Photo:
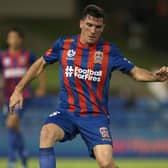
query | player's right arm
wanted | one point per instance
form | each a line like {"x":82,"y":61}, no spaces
{"x":33,"y":71}
{"x":51,"y":56}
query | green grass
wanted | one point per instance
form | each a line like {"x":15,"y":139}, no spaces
{"x":79,"y":163}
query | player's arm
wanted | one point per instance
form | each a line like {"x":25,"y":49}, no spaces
{"x":33,"y":71}
{"x":140,"y":74}
{"x":1,"y":81}
{"x":41,"y":90}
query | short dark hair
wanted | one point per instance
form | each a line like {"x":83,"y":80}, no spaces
{"x":93,"y":10}
{"x":17,"y":30}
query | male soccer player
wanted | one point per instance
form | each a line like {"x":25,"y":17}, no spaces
{"x":14,"y":62}
{"x":86,"y":62}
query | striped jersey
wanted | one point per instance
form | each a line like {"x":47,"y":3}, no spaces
{"x":13,"y":68}
{"x":85,"y":73}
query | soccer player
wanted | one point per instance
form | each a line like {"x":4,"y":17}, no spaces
{"x":86,"y":62}
{"x":13,"y":63}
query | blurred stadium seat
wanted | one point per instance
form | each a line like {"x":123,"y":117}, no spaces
{"x":140,"y":124}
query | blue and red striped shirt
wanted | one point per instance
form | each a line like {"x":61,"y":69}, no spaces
{"x":13,"y":68}
{"x":85,"y":73}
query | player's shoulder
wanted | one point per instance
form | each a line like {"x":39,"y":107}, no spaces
{"x":108,"y":46}
{"x":64,"y":40}
{"x":67,"y":39}
{"x":3,"y":52}
{"x":28,"y":52}
{"x":113,"y":49}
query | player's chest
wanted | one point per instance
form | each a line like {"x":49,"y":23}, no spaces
{"x":18,"y":61}
{"x":85,"y":63}
{"x":85,"y":58}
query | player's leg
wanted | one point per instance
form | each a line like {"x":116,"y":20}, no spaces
{"x":98,"y":139}
{"x":50,"y":133}
{"x":58,"y":127}
{"x":13,"y":127}
{"x":103,"y":154}
{"x":16,"y":142}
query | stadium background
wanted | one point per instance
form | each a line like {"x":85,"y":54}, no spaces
{"x":139,"y":117}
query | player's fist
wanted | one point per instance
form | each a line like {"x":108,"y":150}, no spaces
{"x":16,"y":98}
{"x":162,"y":74}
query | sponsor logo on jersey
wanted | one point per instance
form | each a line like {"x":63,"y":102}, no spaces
{"x":7,"y":62}
{"x":14,"y":72}
{"x":98,"y":57}
{"x":84,"y":74}
{"x":104,"y":134}
{"x":71,"y":54}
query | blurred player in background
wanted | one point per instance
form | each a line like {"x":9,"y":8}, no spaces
{"x":86,"y":62}
{"x":13,"y":64}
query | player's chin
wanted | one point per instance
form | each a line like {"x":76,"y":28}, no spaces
{"x":91,"y":41}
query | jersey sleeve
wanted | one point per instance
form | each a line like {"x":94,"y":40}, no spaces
{"x":52,"y":55}
{"x":33,"y":58}
{"x":119,"y":62}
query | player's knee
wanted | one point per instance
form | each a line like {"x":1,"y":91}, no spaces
{"x":50,"y":133}
{"x":105,"y":162}
{"x":105,"y":159}
{"x":46,"y":134}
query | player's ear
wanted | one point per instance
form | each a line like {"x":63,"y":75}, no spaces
{"x":81,"y":23}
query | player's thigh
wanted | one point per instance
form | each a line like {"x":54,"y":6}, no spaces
{"x":95,"y":131}
{"x":103,"y":154}
{"x":58,"y":127}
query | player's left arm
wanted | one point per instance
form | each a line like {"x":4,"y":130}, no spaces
{"x":140,"y":74}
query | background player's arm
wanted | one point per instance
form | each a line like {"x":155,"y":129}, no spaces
{"x":1,"y":81}
{"x":33,"y":71}
{"x":140,"y":74}
{"x":41,"y":90}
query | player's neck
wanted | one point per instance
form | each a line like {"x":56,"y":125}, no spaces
{"x":13,"y":50}
{"x":84,"y":42}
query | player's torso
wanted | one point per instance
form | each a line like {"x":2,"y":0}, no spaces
{"x":85,"y":74}
{"x":14,"y":67}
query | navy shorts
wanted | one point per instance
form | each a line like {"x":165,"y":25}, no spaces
{"x":93,"y":130}
{"x":18,"y":111}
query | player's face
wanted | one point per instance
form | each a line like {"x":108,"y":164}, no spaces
{"x":91,"y":29}
{"x":14,"y":40}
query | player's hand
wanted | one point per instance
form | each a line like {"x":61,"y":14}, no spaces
{"x":16,"y":98}
{"x":40,"y":92}
{"x":162,"y":74}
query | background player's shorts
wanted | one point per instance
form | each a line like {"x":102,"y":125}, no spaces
{"x":93,"y":130}
{"x":18,"y":111}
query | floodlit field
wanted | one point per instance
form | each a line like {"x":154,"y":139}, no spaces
{"x":76,"y":163}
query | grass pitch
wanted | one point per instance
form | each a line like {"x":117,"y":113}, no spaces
{"x":84,"y":163}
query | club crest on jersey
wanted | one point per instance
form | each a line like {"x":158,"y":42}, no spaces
{"x":104,"y":134}
{"x":71,"y":54}
{"x":7,"y":62}
{"x":98,"y":57}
